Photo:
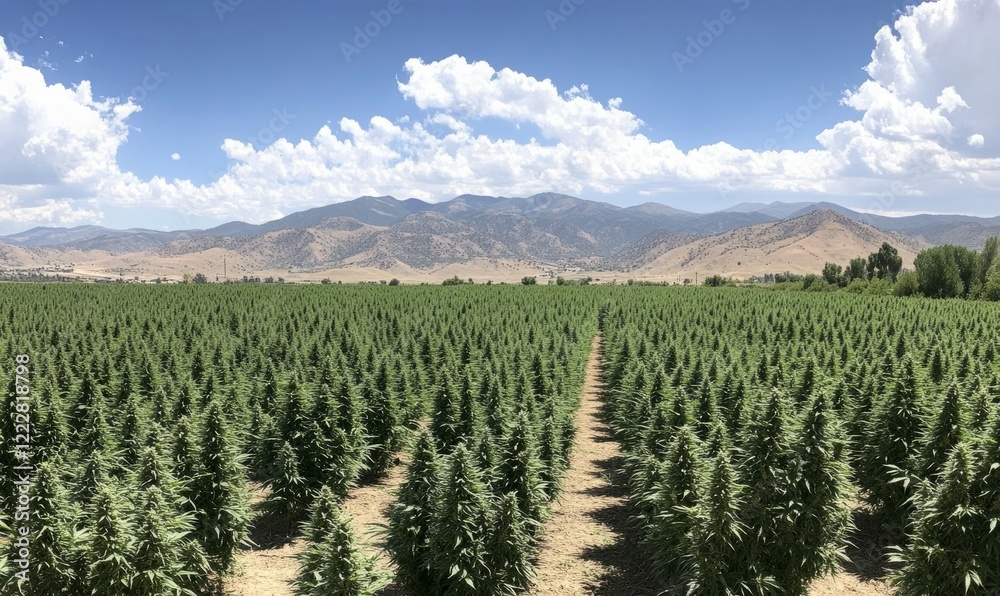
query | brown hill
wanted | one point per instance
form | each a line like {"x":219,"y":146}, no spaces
{"x":801,"y":245}
{"x":506,"y":245}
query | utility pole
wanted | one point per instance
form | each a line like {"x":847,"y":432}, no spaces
{"x":225,"y":276}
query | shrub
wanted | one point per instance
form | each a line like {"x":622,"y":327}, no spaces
{"x":822,"y":487}
{"x":156,"y":558}
{"x":878,"y":287}
{"x":857,"y":286}
{"x":907,"y":284}
{"x":673,"y":500}
{"x":290,"y":495}
{"x":718,"y":281}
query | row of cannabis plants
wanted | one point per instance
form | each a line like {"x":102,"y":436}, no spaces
{"x":753,"y":422}
{"x":154,"y":409}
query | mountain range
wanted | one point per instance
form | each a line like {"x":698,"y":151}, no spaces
{"x":498,"y":237}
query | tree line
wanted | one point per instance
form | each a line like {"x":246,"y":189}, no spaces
{"x":946,"y":271}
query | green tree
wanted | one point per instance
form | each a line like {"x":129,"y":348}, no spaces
{"x":907,"y":284}
{"x":988,"y":259}
{"x":991,"y":289}
{"x":832,"y":273}
{"x":946,"y":271}
{"x":857,"y":269}
{"x":885,"y":264}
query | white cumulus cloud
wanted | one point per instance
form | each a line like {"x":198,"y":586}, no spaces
{"x":923,"y":115}
{"x":175,"y":156}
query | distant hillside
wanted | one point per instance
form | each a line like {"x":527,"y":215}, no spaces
{"x":95,"y":238}
{"x":776,"y":209}
{"x":935,"y":229}
{"x":504,"y":235}
{"x":649,"y":249}
{"x":800,"y":245}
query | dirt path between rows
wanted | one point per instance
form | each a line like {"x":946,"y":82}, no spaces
{"x":269,"y":569}
{"x":589,"y":546}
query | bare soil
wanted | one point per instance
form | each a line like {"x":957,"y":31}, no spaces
{"x":589,"y":546}
{"x":268,"y":568}
{"x":866,"y":565}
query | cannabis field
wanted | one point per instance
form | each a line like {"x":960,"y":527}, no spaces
{"x":756,"y":431}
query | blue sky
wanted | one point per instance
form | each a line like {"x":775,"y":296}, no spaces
{"x":721,"y":101}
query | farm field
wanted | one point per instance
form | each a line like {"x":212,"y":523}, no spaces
{"x":261,"y":440}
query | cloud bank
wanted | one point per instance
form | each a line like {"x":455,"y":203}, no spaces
{"x":927,"y":125}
